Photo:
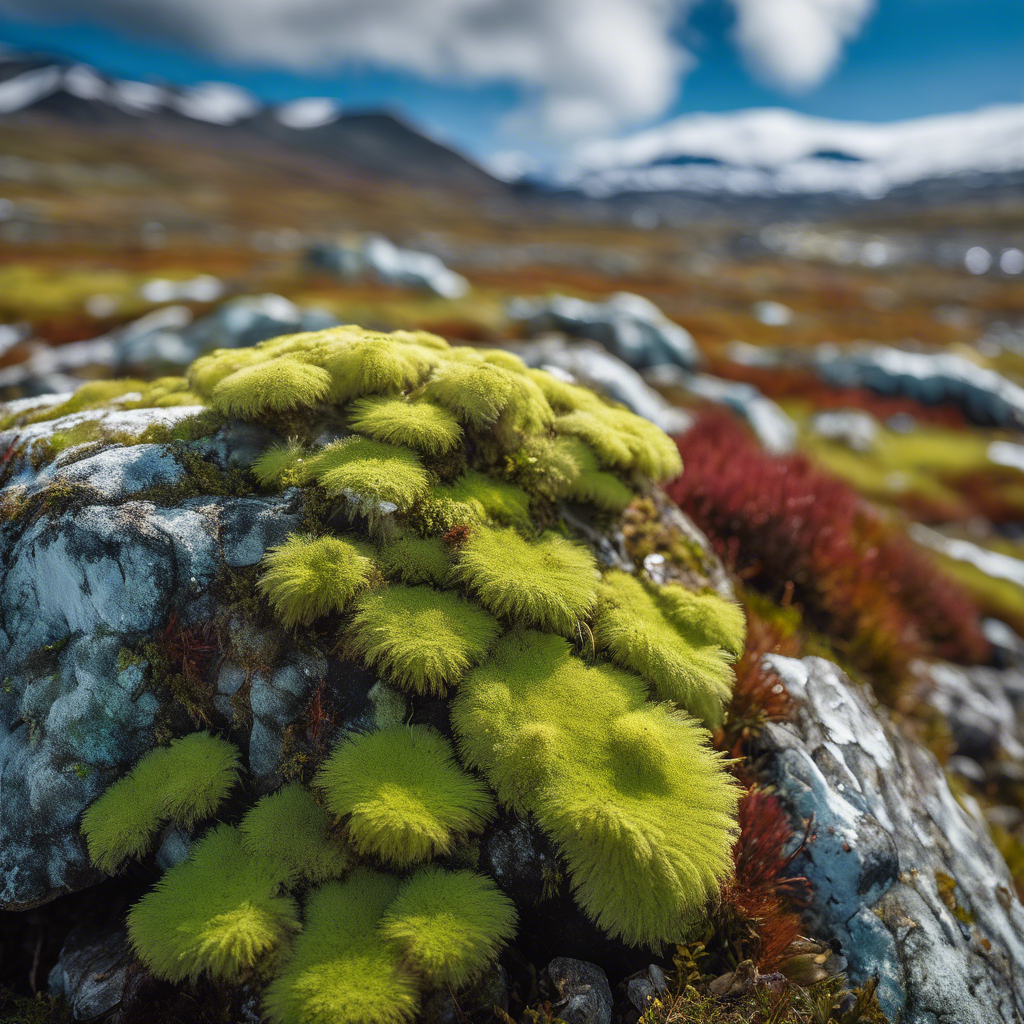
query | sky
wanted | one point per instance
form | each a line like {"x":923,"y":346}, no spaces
{"x":540,"y":76}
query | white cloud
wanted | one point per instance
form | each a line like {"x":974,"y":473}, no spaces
{"x":584,"y":66}
{"x":796,"y":43}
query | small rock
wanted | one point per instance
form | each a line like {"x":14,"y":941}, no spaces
{"x":91,"y":971}
{"x":584,"y":995}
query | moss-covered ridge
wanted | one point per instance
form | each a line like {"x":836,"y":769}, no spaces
{"x":443,"y":490}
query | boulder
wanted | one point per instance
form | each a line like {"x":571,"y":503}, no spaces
{"x":905,"y":877}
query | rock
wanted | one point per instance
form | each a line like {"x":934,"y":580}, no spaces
{"x":583,"y":993}
{"x":593,"y":366}
{"x":854,"y":428}
{"x":1007,"y":646}
{"x":987,"y":723}
{"x":986,"y":397}
{"x":644,"y":987}
{"x":991,"y":563}
{"x":79,"y":586}
{"x":773,"y":428}
{"x":378,"y":257}
{"x":906,"y":879}
{"x":629,"y":326}
{"x":91,"y":972}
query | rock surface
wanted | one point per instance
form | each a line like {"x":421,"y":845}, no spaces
{"x":81,"y":584}
{"x":582,"y":992}
{"x":91,"y":973}
{"x":904,"y":877}
{"x":629,"y":326}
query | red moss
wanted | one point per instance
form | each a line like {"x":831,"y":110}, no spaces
{"x":793,"y":531}
{"x":456,"y":536}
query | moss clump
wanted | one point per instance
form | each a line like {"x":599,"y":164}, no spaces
{"x":476,"y":393}
{"x":370,"y":471}
{"x":449,"y":924}
{"x":181,"y":783}
{"x":307,"y":577}
{"x":217,"y":913}
{"x":421,"y":638}
{"x":421,"y":425}
{"x":290,"y":832}
{"x":551,"y":582}
{"x":405,"y":796}
{"x":680,"y":643}
{"x":341,"y":970}
{"x":411,"y":559}
{"x":281,"y":465}
{"x":625,"y":787}
{"x":278,"y":386}
{"x":376,"y":365}
{"x":476,"y":498}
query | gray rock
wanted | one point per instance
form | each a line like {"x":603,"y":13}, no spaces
{"x":629,"y":326}
{"x":930,"y":377}
{"x":773,"y":427}
{"x":991,"y":563}
{"x":583,"y":993}
{"x":78,"y":588}
{"x":1007,"y":646}
{"x":91,"y":973}
{"x":376,"y":256}
{"x":906,"y":878}
{"x":595,"y":367}
{"x":978,"y":703}
{"x":116,"y":472}
{"x":854,"y":428}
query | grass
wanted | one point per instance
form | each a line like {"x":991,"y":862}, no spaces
{"x":371,"y":471}
{"x":550,"y":583}
{"x":420,"y":638}
{"x":309,"y":577}
{"x":680,"y":643}
{"x":642,"y":810}
{"x":449,"y":924}
{"x":217,"y":913}
{"x":421,"y":425}
{"x":405,"y":796}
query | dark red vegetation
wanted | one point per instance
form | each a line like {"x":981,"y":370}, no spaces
{"x":802,"y":536}
{"x":761,"y":903}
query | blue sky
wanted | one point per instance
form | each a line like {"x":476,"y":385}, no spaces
{"x":904,"y":58}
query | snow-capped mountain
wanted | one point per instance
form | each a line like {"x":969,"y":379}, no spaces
{"x":771,"y":152}
{"x":220,"y":114}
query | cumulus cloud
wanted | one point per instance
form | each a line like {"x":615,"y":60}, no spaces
{"x":796,"y":43}
{"x":584,"y":66}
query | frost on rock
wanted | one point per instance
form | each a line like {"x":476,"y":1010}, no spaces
{"x":906,"y":878}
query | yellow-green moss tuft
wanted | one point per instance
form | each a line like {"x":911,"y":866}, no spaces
{"x":278,"y":385}
{"x":551,"y":582}
{"x":281,"y":465}
{"x":421,"y":425}
{"x":412,"y":559}
{"x":308,"y":577}
{"x":420,"y":638}
{"x":370,"y":471}
{"x":406,"y":798}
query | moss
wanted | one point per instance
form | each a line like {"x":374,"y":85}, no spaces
{"x":551,"y":582}
{"x":449,"y":924}
{"x":421,"y":425}
{"x":405,"y":797}
{"x":680,"y":643}
{"x":341,"y":970}
{"x":643,"y":812}
{"x":281,"y":465}
{"x":271,"y":387}
{"x":96,"y":394}
{"x":376,"y":365}
{"x":646,"y":532}
{"x":219,"y":912}
{"x":369,"y":471}
{"x":420,"y":638}
{"x":411,"y":559}
{"x":946,"y":886}
{"x":475,"y":498}
{"x":307,"y":578}
{"x":476,"y":393}
{"x":182,"y":783}
{"x":290,"y":831}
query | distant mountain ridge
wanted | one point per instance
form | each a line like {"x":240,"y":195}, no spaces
{"x":369,"y":143}
{"x":775,"y":152}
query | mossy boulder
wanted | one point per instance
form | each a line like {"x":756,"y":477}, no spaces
{"x":394,"y":578}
